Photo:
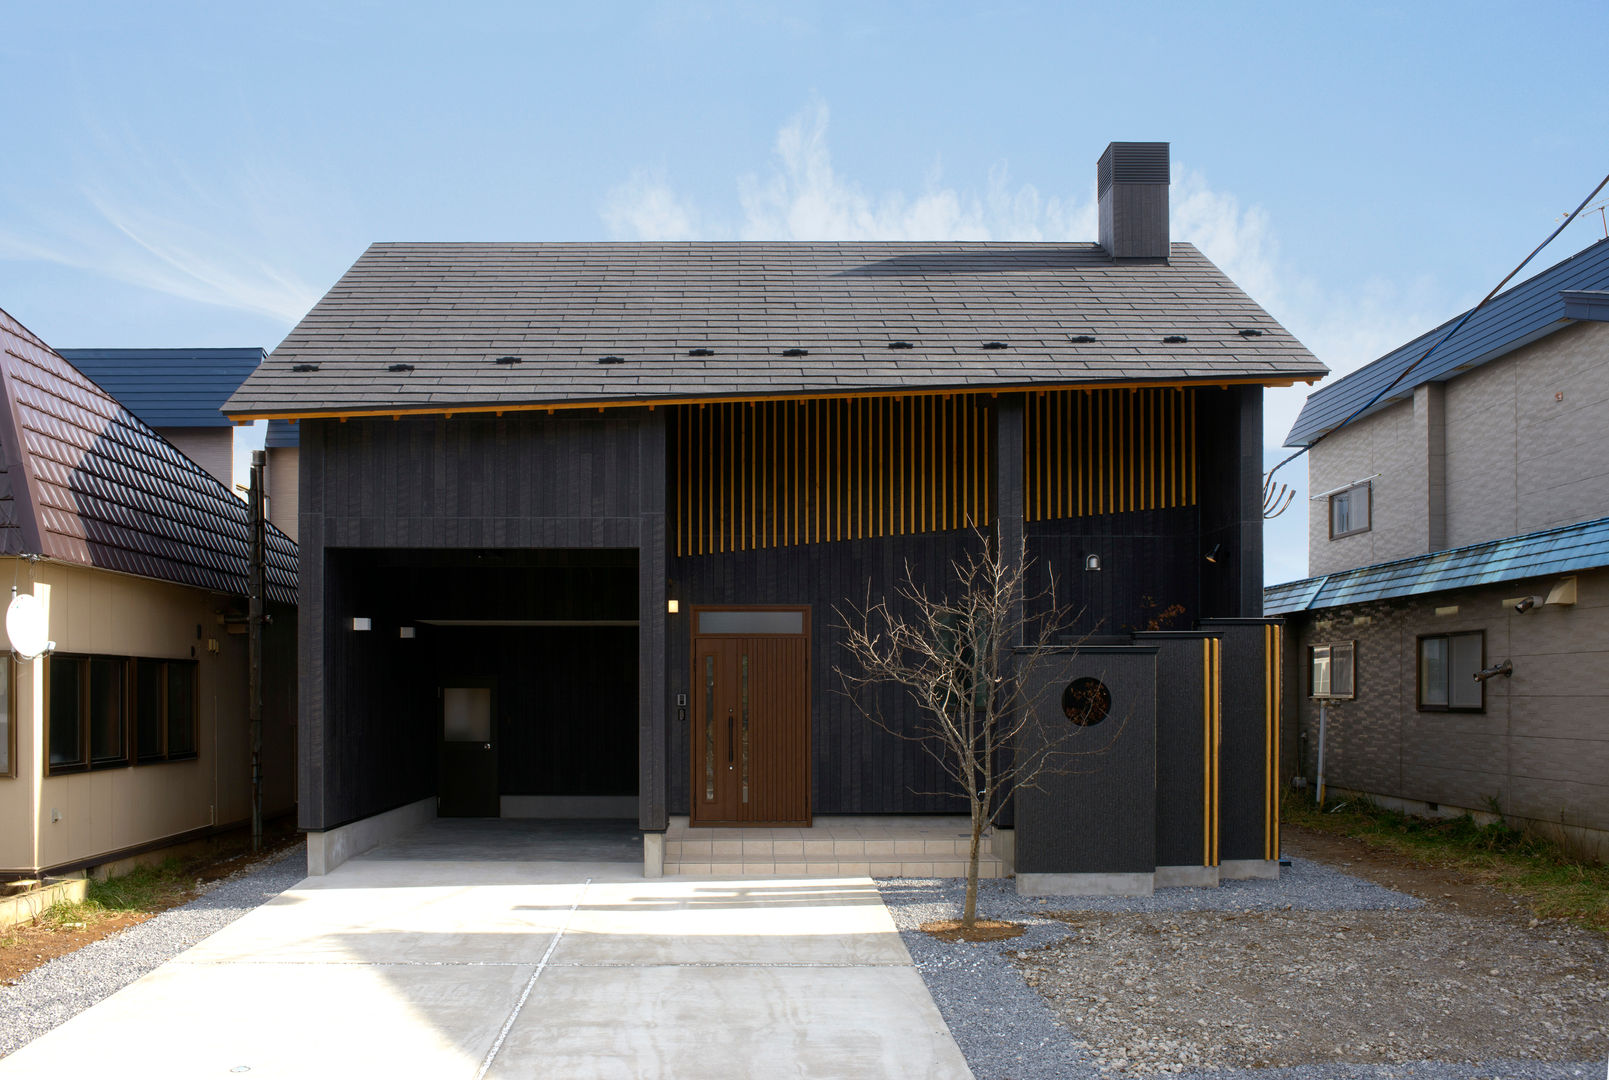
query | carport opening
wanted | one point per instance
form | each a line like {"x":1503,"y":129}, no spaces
{"x":510,"y":676}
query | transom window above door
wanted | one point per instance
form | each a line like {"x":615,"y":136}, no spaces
{"x":738,"y":621}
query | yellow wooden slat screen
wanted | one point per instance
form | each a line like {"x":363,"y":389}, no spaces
{"x":765,"y":474}
{"x":1108,"y":451}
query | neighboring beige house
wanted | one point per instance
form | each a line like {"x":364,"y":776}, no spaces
{"x":1460,"y":527}
{"x":283,"y":444}
{"x":177,"y":392}
{"x":132,"y":733}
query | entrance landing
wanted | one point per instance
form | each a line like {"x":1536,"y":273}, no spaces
{"x":905,"y":846}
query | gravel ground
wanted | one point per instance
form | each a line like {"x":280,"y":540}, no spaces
{"x":49,"y":996}
{"x":1119,"y":1025}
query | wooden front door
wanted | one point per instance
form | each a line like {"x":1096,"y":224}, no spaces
{"x":751,"y":730}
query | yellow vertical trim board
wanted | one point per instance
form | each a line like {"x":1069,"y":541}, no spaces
{"x":1205,"y":752}
{"x":1279,"y":678}
{"x":1268,"y":741}
{"x":1217,"y":738}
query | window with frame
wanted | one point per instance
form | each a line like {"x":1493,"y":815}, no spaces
{"x":88,"y":713}
{"x":8,"y":727}
{"x":164,"y":709}
{"x":1332,"y":672}
{"x":1349,"y":510}
{"x":1447,"y":667}
{"x":111,"y":711}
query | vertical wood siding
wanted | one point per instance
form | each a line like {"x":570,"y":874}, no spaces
{"x":753,"y":475}
{"x":1088,"y":452}
{"x":574,"y":481}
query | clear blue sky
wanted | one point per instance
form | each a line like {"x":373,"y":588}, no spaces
{"x":200,"y":174}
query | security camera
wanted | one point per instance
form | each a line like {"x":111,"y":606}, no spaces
{"x":1505,"y":669}
{"x":1527,"y":603}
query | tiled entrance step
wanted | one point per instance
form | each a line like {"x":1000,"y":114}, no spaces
{"x":836,"y":846}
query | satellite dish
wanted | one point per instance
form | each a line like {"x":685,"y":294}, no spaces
{"x":26,"y":626}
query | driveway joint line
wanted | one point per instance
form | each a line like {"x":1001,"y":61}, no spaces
{"x":491,"y":1055}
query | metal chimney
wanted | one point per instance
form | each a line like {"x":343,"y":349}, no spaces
{"x":1131,"y":184}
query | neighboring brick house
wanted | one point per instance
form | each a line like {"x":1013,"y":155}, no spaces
{"x":1478,"y":482}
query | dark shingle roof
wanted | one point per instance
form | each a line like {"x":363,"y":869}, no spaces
{"x":450,"y":310}
{"x":1528,"y":311}
{"x":1564,"y":550}
{"x":281,"y":434}
{"x":86,"y":481}
{"x":169,"y":388}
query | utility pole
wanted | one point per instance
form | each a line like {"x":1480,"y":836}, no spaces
{"x":254,"y":643}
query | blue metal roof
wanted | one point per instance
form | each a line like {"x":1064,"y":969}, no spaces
{"x":281,"y":434}
{"x":169,"y":388}
{"x":1553,"y":551}
{"x":1530,"y":310}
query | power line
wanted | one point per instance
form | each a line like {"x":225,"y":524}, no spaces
{"x":1277,"y":498}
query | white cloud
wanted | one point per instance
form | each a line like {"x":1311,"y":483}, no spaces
{"x":804,"y":197}
{"x":224,"y":240}
{"x":646,"y":208}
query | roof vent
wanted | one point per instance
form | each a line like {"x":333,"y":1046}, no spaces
{"x":1082,"y":339}
{"x":1131,"y":187}
{"x":509,"y":361}
{"x":795,"y":352}
{"x":700,"y":352}
{"x":611,"y":359}
{"x":900,"y":345}
{"x":1175,"y":339}
{"x":400,"y":367}
{"x":995,"y":345}
{"x":304,"y":367}
{"x":1249,"y":333}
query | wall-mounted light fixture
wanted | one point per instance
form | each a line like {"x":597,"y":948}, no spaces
{"x":362,"y":624}
{"x":212,"y":646}
{"x":1092,"y":562}
{"x":673,"y":606}
{"x":1526,"y":603}
{"x":1215,"y":553}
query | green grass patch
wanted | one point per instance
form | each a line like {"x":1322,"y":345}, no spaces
{"x":1555,"y":883}
{"x":144,"y":888}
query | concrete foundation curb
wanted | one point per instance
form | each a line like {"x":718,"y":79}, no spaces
{"x":329,"y":849}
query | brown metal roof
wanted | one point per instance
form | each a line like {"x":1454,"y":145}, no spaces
{"x":82,"y":480}
{"x":442,"y":314}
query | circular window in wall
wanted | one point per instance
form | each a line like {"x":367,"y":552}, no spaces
{"x":1086,"y":701}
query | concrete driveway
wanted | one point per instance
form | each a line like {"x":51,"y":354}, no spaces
{"x":519,"y":949}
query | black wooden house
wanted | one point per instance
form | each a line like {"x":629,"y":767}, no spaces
{"x":566,"y":507}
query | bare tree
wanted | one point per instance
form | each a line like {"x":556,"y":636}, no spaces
{"x":956,"y":656}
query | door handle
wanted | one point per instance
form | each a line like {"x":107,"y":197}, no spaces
{"x":485,"y":746}
{"x":731,"y":735}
